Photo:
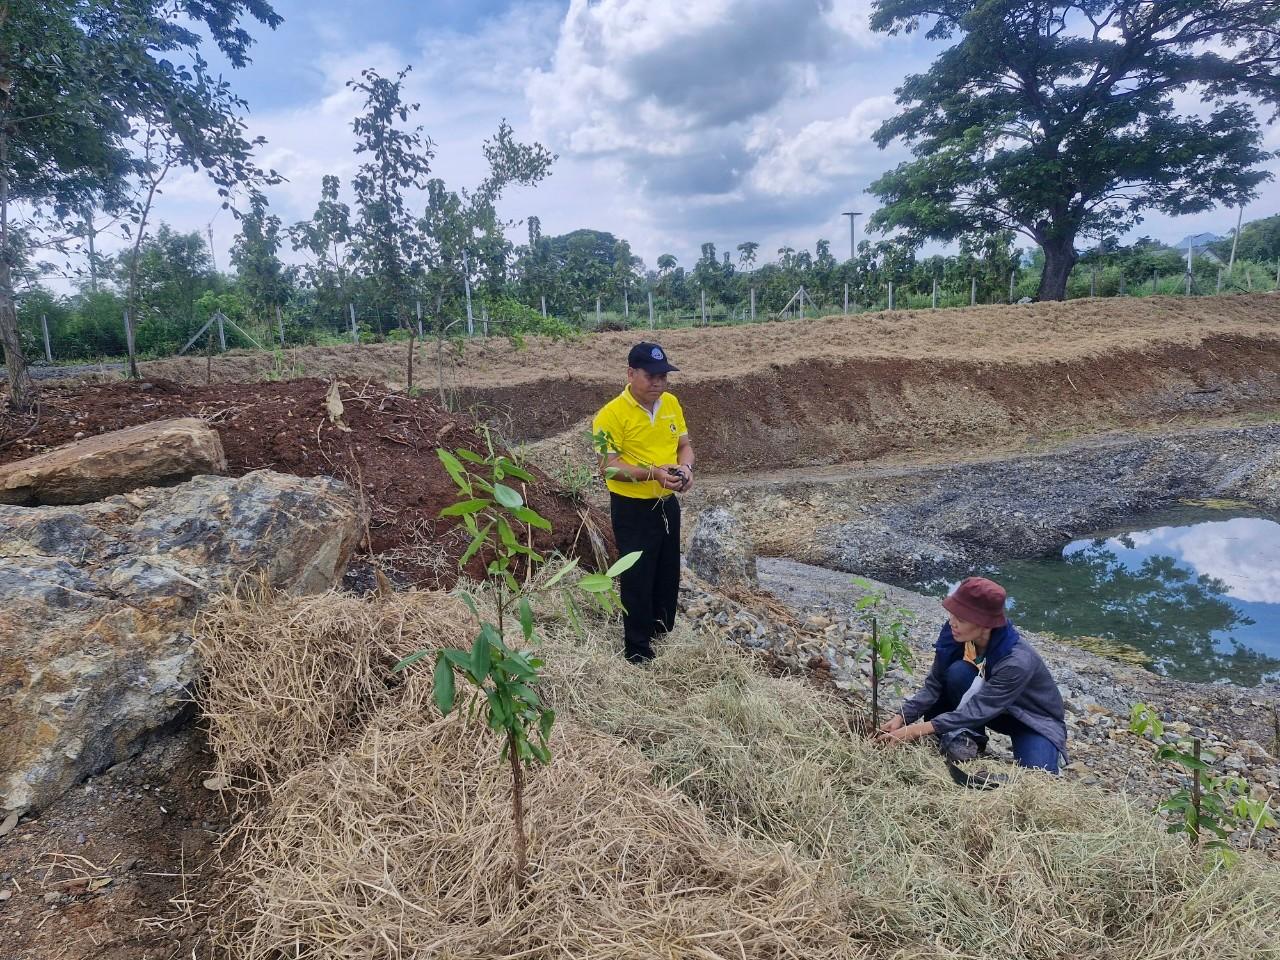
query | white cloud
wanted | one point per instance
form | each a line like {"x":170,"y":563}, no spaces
{"x":808,"y":160}
{"x":1241,"y":552}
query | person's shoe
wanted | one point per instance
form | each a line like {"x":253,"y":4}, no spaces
{"x":959,"y":747}
{"x":639,"y":657}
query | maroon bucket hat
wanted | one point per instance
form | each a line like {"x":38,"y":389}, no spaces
{"x":978,"y":600}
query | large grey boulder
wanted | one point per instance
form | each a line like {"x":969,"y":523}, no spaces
{"x":720,"y":550}
{"x":97,"y":603}
{"x":148,"y":455}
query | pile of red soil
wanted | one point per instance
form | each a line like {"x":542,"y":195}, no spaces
{"x":388,"y":452}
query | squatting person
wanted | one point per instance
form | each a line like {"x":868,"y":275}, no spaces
{"x":649,"y":459}
{"x":984,"y":677}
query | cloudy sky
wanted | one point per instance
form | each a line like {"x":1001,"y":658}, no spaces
{"x":675,"y":121}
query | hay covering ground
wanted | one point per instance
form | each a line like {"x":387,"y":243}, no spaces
{"x":697,"y":808}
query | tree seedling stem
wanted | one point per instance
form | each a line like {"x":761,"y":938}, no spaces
{"x":1194,"y":832}
{"x":875,"y":674}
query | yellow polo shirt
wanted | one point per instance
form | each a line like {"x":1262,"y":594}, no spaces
{"x":642,"y":437}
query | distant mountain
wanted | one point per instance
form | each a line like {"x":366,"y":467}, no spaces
{"x":1197,"y":240}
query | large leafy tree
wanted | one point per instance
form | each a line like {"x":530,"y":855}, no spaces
{"x":77,"y":77}
{"x":1059,"y":120}
{"x":326,"y":239}
{"x":255,"y":255}
{"x":398,"y":160}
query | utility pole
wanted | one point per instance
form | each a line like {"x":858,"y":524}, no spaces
{"x":44,"y":327}
{"x":753,"y":294}
{"x":597,"y":313}
{"x":973,"y":291}
{"x":544,"y":306}
{"x":935,"y":293}
{"x":853,"y":216}
{"x":890,"y":294}
{"x":208,"y":230}
{"x":1231,"y":265}
{"x":355,"y":334}
{"x":704,"y":306}
{"x":418,"y":308}
{"x":1013,"y":274}
{"x":846,"y":298}
{"x":650,"y":292}
{"x":466,"y":284}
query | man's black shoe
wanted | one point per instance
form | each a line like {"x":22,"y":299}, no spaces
{"x":639,"y":656}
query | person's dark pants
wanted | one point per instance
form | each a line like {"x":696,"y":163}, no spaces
{"x":1030,"y":749}
{"x":651,"y":588}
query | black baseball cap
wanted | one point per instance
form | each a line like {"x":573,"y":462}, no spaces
{"x":651,"y":358}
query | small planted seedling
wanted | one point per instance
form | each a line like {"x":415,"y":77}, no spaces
{"x":888,"y":646}
{"x":1214,"y":804}
{"x":502,"y":679}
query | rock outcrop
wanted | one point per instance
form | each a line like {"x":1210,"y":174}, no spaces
{"x":721,"y":551}
{"x":149,"y":455}
{"x":97,"y":603}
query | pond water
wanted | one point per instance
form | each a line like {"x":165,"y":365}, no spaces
{"x":1196,"y":590}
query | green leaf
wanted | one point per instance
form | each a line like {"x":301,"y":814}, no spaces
{"x":596,"y":583}
{"x":470,"y":601}
{"x":526,"y":618}
{"x":466,"y":454}
{"x":463,"y":507}
{"x":559,"y":574}
{"x":533,"y":519}
{"x":443,"y":691}
{"x":480,"y":656}
{"x":452,"y":465}
{"x":476,"y":543}
{"x":499,"y":715}
{"x":624,"y":563}
{"x":507,"y":497}
{"x":410,"y":660}
{"x":545,"y":723}
{"x":518,"y":472}
{"x":507,"y":535}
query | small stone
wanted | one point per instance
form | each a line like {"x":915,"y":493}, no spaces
{"x":52,"y":897}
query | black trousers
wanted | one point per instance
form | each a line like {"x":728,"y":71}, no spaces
{"x":651,"y":588}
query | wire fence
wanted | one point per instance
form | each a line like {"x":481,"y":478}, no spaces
{"x":653,"y":310}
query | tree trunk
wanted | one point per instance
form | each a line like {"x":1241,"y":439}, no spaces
{"x":22,"y":389}
{"x":517,"y":808}
{"x":1059,"y":258}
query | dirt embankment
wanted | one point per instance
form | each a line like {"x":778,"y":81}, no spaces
{"x":920,"y":384}
{"x":384,"y":447}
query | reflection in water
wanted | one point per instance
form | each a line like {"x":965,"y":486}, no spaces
{"x":1203,"y":598}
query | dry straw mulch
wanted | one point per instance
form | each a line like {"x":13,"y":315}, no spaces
{"x":698,"y":808}
{"x":384,"y":831}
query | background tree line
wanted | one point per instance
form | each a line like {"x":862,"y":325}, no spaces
{"x":1053,"y":124}
{"x":178,"y":289}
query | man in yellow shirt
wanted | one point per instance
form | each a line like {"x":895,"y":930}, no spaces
{"x":648,"y":459}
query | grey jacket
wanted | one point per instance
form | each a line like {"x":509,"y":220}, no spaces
{"x":1017,"y":683}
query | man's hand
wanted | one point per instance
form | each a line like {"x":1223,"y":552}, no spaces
{"x":672,"y":477}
